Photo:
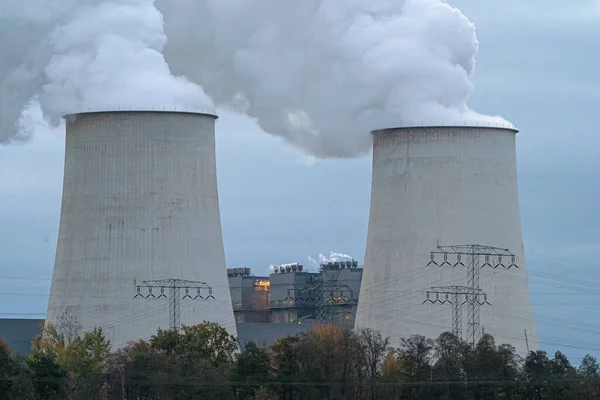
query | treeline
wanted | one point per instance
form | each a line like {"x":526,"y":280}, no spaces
{"x":205,"y":362}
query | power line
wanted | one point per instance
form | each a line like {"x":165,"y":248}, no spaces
{"x":457,"y":296}
{"x":493,"y":257}
{"x":331,"y":298}
{"x":174,"y":286}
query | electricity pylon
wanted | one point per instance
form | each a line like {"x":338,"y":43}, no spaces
{"x":327,"y":295}
{"x":457,"y":296}
{"x":174,"y":286}
{"x":493,"y":257}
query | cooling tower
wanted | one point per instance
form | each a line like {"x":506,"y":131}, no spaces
{"x":443,"y":186}
{"x":139,"y":204}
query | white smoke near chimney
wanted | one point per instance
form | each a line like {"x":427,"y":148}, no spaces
{"x":340,"y":256}
{"x":314,"y":264}
{"x":289,"y":264}
{"x":319,"y":73}
{"x":323,"y":73}
{"x":333,"y":257}
{"x":82,"y":55}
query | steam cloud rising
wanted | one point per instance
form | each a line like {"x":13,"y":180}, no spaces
{"x":333,"y":257}
{"x":81,"y":55}
{"x":319,"y":73}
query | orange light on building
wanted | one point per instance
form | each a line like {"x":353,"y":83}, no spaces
{"x":262,"y":284}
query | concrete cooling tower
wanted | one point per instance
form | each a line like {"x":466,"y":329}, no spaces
{"x":139,"y":204}
{"x":445,"y":186}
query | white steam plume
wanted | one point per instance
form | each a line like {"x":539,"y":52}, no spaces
{"x":323,"y":73}
{"x":333,"y":257}
{"x":313,"y":263}
{"x":319,"y":73}
{"x":82,"y":55}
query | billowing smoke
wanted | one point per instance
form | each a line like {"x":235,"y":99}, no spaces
{"x":323,"y":73}
{"x":319,"y":73}
{"x":313,"y":264}
{"x":333,"y":257}
{"x":82,"y":55}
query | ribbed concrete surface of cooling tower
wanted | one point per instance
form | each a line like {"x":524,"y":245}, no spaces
{"x":139,"y":203}
{"x":447,"y":186}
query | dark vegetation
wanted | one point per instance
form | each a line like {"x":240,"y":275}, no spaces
{"x":203,"y":362}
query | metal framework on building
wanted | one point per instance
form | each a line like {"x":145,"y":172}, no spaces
{"x":327,"y":294}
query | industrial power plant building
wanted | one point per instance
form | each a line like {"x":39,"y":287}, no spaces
{"x":444,"y":249}
{"x":249,"y":295}
{"x":140,"y":211}
{"x":291,"y":295}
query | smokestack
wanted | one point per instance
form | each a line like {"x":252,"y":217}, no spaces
{"x":139,"y":203}
{"x":442,"y":185}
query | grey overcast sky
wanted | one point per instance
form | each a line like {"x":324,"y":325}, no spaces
{"x":538,"y":66}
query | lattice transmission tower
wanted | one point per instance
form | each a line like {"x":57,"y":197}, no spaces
{"x":174,"y":286}
{"x":493,"y":258}
{"x":457,"y":296}
{"x":328,"y":295}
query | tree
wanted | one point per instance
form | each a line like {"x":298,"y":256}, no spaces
{"x":252,"y":369}
{"x":452,"y":365}
{"x":50,"y":340}
{"x":563,"y":378}
{"x":264,"y":394}
{"x":391,"y":377}
{"x":68,"y":324}
{"x":537,"y":374}
{"x":21,"y":385}
{"x":331,"y":363}
{"x":168,"y":341}
{"x":590,"y":379}
{"x":286,"y":363}
{"x":414,"y":359}
{"x":207,"y":339}
{"x":84,"y":360}
{"x":374,"y":348}
{"x":508,"y":371}
{"x":81,"y":359}
{"x":589,"y":367}
{"x":48,"y":376}
{"x":327,"y":362}
{"x":175,"y":365}
{"x":94,"y":348}
{"x":128,"y":371}
{"x":200,"y":378}
{"x":8,"y":369}
{"x":481,"y":369}
{"x":212,"y":341}
{"x":86,"y":354}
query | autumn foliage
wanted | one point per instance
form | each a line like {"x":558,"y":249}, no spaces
{"x":327,"y":362}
